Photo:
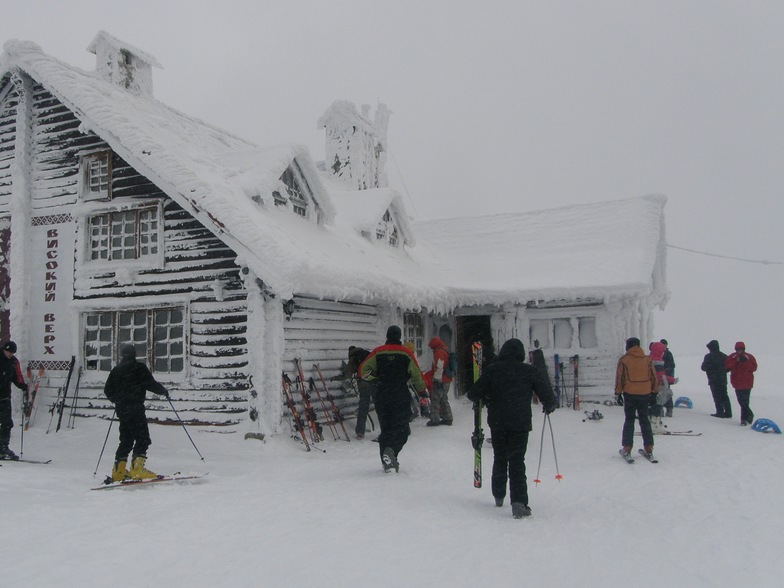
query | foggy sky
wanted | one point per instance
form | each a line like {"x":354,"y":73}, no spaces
{"x":506,"y":106}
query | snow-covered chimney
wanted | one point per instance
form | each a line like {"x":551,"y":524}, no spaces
{"x":356,"y":146}
{"x":123,"y":64}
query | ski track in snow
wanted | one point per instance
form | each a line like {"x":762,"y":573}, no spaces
{"x":271,"y":514}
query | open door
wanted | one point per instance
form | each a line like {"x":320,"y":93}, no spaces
{"x":470,"y":329}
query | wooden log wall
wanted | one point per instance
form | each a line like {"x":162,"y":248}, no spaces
{"x":320,"y":332}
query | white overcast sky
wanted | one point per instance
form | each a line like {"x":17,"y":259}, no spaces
{"x":505,"y":106}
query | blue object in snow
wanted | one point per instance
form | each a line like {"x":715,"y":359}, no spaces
{"x":684,"y":401}
{"x":766,"y":426}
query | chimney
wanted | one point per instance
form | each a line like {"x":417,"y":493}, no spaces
{"x":123,"y":64}
{"x":355,"y":149}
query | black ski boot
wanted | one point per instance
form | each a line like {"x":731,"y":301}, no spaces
{"x":389,"y":460}
{"x":520,"y":510}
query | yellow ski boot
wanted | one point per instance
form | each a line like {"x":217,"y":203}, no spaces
{"x":139,"y":472}
{"x":119,"y":471}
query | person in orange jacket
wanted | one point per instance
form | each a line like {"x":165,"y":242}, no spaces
{"x":440,"y":411}
{"x":636,"y":386}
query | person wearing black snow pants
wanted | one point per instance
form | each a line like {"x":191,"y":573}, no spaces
{"x":391,"y":366}
{"x":10,"y":373}
{"x":126,"y":387}
{"x":636,"y":388}
{"x":506,"y":387}
{"x":713,"y":366}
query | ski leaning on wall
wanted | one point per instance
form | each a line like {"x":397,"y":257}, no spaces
{"x":478,"y":436}
{"x":33,"y":383}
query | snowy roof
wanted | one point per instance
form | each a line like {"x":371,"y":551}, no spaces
{"x":599,"y":250}
{"x":216,"y":176}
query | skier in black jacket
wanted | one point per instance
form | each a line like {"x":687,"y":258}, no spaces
{"x":126,"y":387}
{"x":713,"y":366}
{"x":10,"y":372}
{"x":506,"y":387}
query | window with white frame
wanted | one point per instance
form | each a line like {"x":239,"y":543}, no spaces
{"x":96,"y":170}
{"x":158,"y":335}
{"x":386,"y":230}
{"x":123,"y":235}
{"x":558,"y":333}
{"x":414,"y":331}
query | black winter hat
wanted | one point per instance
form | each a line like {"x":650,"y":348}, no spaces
{"x":632,"y":342}
{"x":9,"y":346}
{"x":128,"y":351}
{"x":394,"y":334}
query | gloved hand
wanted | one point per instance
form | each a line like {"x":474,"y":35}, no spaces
{"x":619,"y":399}
{"x":549,"y":409}
{"x":742,"y":358}
{"x":165,"y":393}
{"x":653,"y":399}
{"x":23,"y":387}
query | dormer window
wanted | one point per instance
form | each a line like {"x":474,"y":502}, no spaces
{"x":96,"y":170}
{"x":386,"y":231}
{"x":296,"y":189}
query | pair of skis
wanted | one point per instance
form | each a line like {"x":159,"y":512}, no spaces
{"x":108,"y":484}
{"x":629,"y":459}
{"x":478,"y":436}
{"x":33,"y":383}
{"x":310,"y":422}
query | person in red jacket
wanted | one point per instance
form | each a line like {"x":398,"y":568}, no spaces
{"x":440,"y":411}
{"x":741,"y":366}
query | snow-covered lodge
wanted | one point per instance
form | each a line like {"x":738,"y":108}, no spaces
{"x":122,"y":219}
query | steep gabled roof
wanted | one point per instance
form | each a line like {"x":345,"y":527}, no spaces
{"x":216,"y":176}
{"x":601,"y":250}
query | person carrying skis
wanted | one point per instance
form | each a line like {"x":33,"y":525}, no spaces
{"x":506,"y":387}
{"x":10,"y":373}
{"x":636,"y":387}
{"x":391,"y":366}
{"x":440,"y":411}
{"x":713,"y":366}
{"x":741,"y":366}
{"x":126,"y":387}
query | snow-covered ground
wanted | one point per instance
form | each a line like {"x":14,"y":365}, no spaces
{"x":270,"y":514}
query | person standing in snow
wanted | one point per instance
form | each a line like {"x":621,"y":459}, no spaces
{"x":664,"y":395}
{"x":506,"y":387}
{"x":669,"y":371}
{"x":391,"y":366}
{"x":440,"y":411}
{"x":10,"y":373}
{"x":356,"y":355}
{"x":713,"y":366}
{"x":636,"y":386}
{"x":126,"y":387}
{"x":741,"y":366}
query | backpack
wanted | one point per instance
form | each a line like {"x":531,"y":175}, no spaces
{"x":450,"y":369}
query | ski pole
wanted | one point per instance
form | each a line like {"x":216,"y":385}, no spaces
{"x":558,"y":475}
{"x":537,"y":480}
{"x":184,"y":428}
{"x":111,"y":422}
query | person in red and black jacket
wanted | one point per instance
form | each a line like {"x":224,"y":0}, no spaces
{"x":391,"y":366}
{"x":10,"y":373}
{"x":741,"y":366}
